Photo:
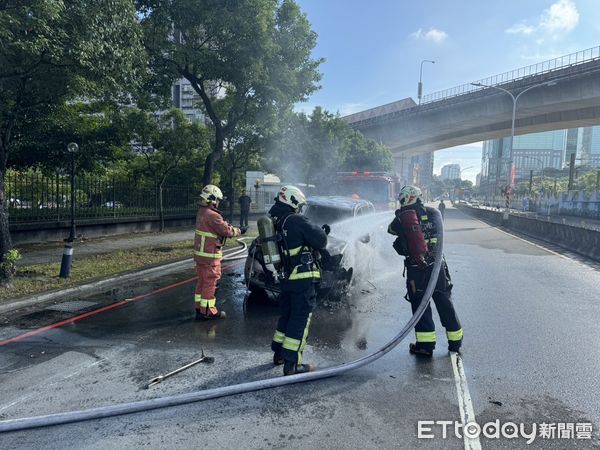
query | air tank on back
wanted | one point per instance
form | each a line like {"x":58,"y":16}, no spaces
{"x":268,"y":242}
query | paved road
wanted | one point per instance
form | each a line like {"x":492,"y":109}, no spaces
{"x":531,"y":355}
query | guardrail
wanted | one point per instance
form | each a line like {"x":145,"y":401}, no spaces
{"x":562,"y":62}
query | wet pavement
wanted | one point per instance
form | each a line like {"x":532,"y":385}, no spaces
{"x":527,"y":314}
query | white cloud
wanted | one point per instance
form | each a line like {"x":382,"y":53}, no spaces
{"x":433,"y":35}
{"x":520,"y":28}
{"x":561,"y":18}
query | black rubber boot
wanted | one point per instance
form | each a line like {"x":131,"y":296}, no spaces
{"x":278,"y":359}
{"x":219,"y":315}
{"x":292,"y":368}
{"x":419,"y":351}
{"x":454,"y":347}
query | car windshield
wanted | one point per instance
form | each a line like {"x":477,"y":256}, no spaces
{"x":320,"y":214}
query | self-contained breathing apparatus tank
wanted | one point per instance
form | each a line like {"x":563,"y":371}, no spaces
{"x":268,"y":243}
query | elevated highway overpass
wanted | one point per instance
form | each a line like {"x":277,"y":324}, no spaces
{"x":468,"y":113}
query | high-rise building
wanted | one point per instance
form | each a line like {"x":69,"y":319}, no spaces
{"x":537,"y":151}
{"x":186,"y":99}
{"x":450,"y":172}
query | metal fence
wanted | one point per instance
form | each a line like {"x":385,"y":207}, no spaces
{"x":562,"y":62}
{"x":33,"y":197}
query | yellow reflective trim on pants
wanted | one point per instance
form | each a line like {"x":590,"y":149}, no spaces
{"x":291,"y":344}
{"x":206,"y":234}
{"x":425,"y":336}
{"x":278,"y":337}
{"x":197,"y":298}
{"x":211,"y":302}
{"x":304,"y":336}
{"x":455,"y":335}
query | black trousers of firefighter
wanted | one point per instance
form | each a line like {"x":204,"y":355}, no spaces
{"x":297,"y":302}
{"x":416,"y":283}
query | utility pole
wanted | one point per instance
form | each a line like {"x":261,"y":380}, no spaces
{"x":530,"y":180}
{"x":571,"y":172}
{"x":420,"y":86}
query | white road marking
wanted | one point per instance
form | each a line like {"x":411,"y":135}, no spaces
{"x":467,"y":414}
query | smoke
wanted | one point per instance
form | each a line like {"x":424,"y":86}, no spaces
{"x":369,"y":251}
{"x":370,"y":254}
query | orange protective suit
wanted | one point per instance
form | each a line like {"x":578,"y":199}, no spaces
{"x":211,"y":230}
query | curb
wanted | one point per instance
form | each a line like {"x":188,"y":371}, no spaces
{"x":11,"y":305}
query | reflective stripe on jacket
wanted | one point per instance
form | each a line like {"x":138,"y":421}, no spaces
{"x":300,"y":238}
{"x":211,"y":229}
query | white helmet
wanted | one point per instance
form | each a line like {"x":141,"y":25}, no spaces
{"x":211,"y":194}
{"x":409,"y":195}
{"x":291,"y":196}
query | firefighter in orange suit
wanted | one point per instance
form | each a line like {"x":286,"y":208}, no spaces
{"x":211,"y":232}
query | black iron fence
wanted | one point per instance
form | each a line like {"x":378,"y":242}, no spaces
{"x":33,"y":197}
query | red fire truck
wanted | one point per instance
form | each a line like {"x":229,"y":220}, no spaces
{"x":380,"y":188}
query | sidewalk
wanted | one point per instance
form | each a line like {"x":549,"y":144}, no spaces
{"x":52,"y":251}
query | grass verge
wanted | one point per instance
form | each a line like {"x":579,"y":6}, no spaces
{"x":37,"y":278}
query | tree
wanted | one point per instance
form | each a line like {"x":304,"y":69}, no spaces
{"x":239,"y":152}
{"x":312,"y":148}
{"x":96,"y":126}
{"x":244,"y":58}
{"x":164,"y":143}
{"x":54,"y":50}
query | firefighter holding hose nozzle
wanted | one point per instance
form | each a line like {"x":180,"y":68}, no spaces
{"x":416,"y":237}
{"x":211,"y":232}
{"x":290,"y":243}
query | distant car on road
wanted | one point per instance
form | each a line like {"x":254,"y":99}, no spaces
{"x":335,"y":279}
{"x":116,"y":204}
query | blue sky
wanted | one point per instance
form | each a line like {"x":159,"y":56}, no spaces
{"x":373,"y":48}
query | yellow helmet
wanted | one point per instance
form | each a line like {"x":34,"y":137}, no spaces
{"x":409,"y":195}
{"x":211,"y":194}
{"x":291,"y":196}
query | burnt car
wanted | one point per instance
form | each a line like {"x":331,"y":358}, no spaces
{"x":335,"y":278}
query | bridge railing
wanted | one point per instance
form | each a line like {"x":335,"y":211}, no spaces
{"x":562,"y":62}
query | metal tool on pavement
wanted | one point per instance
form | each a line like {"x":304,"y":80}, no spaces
{"x":161,"y":378}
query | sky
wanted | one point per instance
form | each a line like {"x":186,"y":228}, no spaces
{"x":373,"y":49}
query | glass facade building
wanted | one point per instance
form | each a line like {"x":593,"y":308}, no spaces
{"x":536,"y":151}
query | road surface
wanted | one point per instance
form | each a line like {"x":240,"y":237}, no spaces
{"x":531,"y":355}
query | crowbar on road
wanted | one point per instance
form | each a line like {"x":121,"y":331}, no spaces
{"x":161,"y":378}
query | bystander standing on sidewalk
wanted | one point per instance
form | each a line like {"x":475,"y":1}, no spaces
{"x":245,"y":202}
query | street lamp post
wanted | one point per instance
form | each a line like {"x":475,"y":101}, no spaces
{"x":515,"y":99}
{"x":420,"y":86}
{"x":67,"y":258}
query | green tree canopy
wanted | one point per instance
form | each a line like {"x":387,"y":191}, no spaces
{"x":55,"y":50}
{"x":243,"y":57}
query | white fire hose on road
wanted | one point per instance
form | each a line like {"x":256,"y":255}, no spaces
{"x":191,"y":397}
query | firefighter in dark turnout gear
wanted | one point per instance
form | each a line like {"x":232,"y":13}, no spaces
{"x":299,"y":241}
{"x":416,"y":235}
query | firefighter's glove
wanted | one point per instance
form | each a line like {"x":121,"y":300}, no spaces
{"x":400,"y":249}
{"x":327,"y":229}
{"x":243,"y":230}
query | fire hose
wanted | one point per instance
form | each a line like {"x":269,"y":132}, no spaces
{"x":196,"y":396}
